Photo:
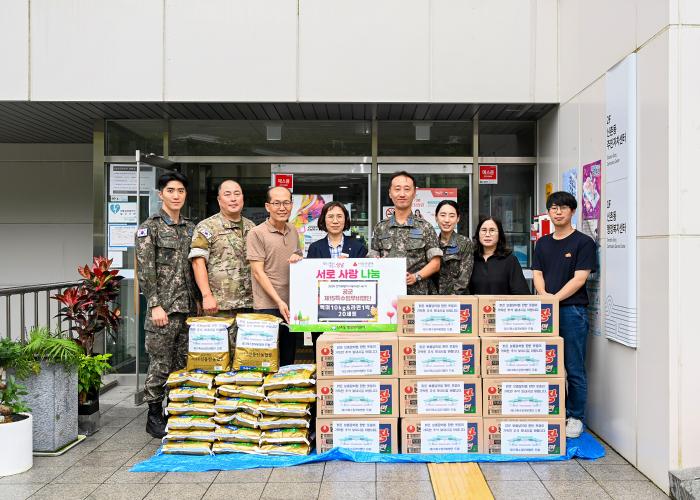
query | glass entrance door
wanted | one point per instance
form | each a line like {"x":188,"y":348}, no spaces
{"x":315,"y":185}
{"x":434,"y":182}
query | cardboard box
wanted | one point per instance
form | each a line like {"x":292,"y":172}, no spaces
{"x":512,"y":436}
{"x":536,"y":397}
{"x":522,"y":357}
{"x":364,"y":355}
{"x":459,"y":397}
{"x":372,"y":434}
{"x":442,"y":435}
{"x":518,"y":316}
{"x":438,"y":315}
{"x":357,"y":397}
{"x":444,"y":356}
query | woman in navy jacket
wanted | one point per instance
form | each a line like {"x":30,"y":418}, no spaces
{"x":334,"y":219}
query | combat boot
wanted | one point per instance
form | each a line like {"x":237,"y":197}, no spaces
{"x":155,"y":423}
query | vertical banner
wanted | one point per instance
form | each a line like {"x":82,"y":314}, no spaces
{"x":569,"y":183}
{"x":621,"y":203}
{"x":590,"y":208}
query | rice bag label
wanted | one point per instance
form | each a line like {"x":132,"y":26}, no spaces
{"x":524,"y":438}
{"x":356,"y":398}
{"x":448,"y":436}
{"x":357,"y":359}
{"x":439,"y":358}
{"x":208,"y":337}
{"x":256,"y":334}
{"x":437,"y":317}
{"x":440,"y":397}
{"x":525,"y":398}
{"x":356,"y":435}
{"x":518,"y":316}
{"x":522,"y":358}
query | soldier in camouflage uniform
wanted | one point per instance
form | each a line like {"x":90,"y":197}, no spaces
{"x":218,"y":255}
{"x":166,"y":280}
{"x":405,"y":235}
{"x":457,"y":251}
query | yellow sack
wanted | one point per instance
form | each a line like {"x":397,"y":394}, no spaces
{"x":209,"y":343}
{"x":207,"y":436}
{"x":187,"y":448}
{"x":206,"y":409}
{"x":229,"y":405}
{"x":190,"y":422}
{"x":240,"y":378}
{"x":242,"y":391}
{"x":245,"y":420}
{"x":266,"y":423}
{"x":284,"y":409}
{"x":257,"y":343}
{"x":194,"y":378}
{"x":199,"y":394}
{"x":285,"y":436}
{"x":291,"y":376}
{"x":285,"y":449}
{"x":292,"y":395}
{"x":238,"y":434}
{"x":233,"y":447}
{"x":223,"y":418}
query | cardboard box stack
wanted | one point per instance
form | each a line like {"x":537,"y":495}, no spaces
{"x":523,"y":375}
{"x":357,"y":392}
{"x":259,"y":408}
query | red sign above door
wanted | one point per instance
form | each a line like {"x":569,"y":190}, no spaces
{"x":284,"y":180}
{"x":488,"y":174}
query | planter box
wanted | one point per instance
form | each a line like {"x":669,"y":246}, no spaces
{"x":53,"y":398}
{"x":16,"y":450}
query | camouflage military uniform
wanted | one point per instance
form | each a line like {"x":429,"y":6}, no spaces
{"x":222,"y":244}
{"x":166,"y":280}
{"x":415,"y":240}
{"x":457,"y":264}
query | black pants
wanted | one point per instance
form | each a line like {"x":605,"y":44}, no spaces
{"x":287,"y":339}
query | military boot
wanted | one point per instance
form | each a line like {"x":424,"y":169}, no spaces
{"x":155,"y":423}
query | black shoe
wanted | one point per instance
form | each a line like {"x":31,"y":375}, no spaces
{"x":155,"y":423}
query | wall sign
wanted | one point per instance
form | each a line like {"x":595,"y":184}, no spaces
{"x":620,"y":127}
{"x":284,"y":180}
{"x":488,"y":174}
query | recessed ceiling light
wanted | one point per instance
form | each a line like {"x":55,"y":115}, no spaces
{"x":343,"y":187}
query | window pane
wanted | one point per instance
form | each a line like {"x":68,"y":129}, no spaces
{"x":512,"y":201}
{"x":507,"y":139}
{"x":124,"y":137}
{"x":425,"y":138}
{"x":261,"y":138}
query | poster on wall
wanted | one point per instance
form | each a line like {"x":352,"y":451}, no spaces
{"x":306,"y":209}
{"x":122,"y":179}
{"x":425,"y":203}
{"x":569,"y":183}
{"x":620,"y":126}
{"x":345,"y":295}
{"x":122,"y":213}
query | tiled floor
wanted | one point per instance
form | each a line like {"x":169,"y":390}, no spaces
{"x":98,"y":468}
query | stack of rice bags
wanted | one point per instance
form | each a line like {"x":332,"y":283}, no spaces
{"x":256,"y":407}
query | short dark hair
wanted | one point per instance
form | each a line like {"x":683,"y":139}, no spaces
{"x":501,"y":247}
{"x":171,"y":176}
{"x":324,"y":211}
{"x":218,"y":188}
{"x":402,"y":173}
{"x":451,"y":203}
{"x":269,"y":190}
{"x":562,"y":199}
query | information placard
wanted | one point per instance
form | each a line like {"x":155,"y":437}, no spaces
{"x":356,"y":435}
{"x":524,"y":438}
{"x":351,"y":295}
{"x":357,"y":359}
{"x":451,"y":436}
{"x":356,"y":398}
{"x":437,"y":317}
{"x":522,"y":358}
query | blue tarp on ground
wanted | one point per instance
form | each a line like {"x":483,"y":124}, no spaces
{"x":585,"y":446}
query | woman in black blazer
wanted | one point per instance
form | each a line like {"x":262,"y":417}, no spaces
{"x":334,"y":219}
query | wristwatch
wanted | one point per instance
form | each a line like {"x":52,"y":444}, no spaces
{"x":418,"y":277}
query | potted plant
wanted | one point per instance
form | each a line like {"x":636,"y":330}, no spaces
{"x":15,"y":419}
{"x":91,"y":307}
{"x":51,"y":391}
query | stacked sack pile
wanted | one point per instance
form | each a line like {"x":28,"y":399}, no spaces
{"x":256,"y":407}
{"x":466,"y":374}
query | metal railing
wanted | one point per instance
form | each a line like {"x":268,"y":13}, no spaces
{"x":41,"y":296}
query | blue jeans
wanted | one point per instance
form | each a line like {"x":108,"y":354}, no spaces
{"x":573,"y":328}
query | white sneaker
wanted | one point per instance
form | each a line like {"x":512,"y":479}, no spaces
{"x":574,"y":427}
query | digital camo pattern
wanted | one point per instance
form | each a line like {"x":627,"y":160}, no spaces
{"x":415,"y":241}
{"x":167,"y":352}
{"x":164,"y":272}
{"x":457,"y":265}
{"x":222,"y":243}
